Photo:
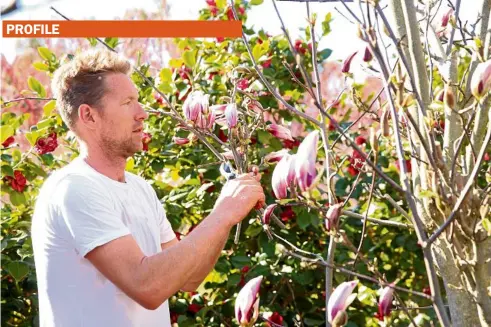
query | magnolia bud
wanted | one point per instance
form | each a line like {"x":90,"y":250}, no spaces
{"x":180,"y":140}
{"x":247,"y":302}
{"x":280,"y":132}
{"x":306,"y":157}
{"x":449,"y":97}
{"x":367,"y":56}
{"x":231,"y":115}
{"x":347,"y":63}
{"x":339,"y":301}
{"x":267,"y":213}
{"x":481,"y":79}
{"x":373,"y":139}
{"x":384,"y":123}
{"x":332,"y":216}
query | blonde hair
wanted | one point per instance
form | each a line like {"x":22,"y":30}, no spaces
{"x":81,"y":81}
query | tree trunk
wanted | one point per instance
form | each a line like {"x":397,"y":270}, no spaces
{"x":462,"y":308}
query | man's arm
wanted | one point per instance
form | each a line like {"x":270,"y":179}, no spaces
{"x":152,"y":280}
{"x":200,"y":272}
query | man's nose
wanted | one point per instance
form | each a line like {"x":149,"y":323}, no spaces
{"x":142,"y":114}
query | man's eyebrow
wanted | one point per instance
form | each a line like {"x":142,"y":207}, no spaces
{"x":131,"y":97}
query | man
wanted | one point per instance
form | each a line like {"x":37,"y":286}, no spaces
{"x":105,"y":253}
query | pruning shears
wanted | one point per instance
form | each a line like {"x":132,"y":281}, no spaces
{"x":227,"y":171}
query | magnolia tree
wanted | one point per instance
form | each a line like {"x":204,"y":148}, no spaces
{"x":377,"y":196}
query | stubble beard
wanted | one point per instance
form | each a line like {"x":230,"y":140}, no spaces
{"x":119,"y":148}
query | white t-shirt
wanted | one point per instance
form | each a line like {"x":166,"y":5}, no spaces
{"x":77,"y":210}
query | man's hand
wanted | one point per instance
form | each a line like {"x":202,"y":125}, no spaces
{"x":238,"y":197}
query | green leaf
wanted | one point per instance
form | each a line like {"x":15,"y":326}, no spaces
{"x":41,"y":66}
{"x":326,"y":24}
{"x":256,"y":2}
{"x":92,"y":41}
{"x":6,"y":131}
{"x":165,"y":88}
{"x":36,"y":86}
{"x":111,"y":41}
{"x":44,"y":123}
{"x":313,"y":322}
{"x":253,"y":230}
{"x":48,"y":107}
{"x":486,"y":224}
{"x":175,"y":63}
{"x":221,"y":3}
{"x":323,"y":55}
{"x":303,"y":219}
{"x":7,"y":170}
{"x":257,"y":52}
{"x":17,"y":198}
{"x":304,"y":277}
{"x":17,"y":269}
{"x":189,"y":58}
{"x":427,"y":194}
{"x":240,"y":261}
{"x":166,"y":75}
{"x":46,"y":54}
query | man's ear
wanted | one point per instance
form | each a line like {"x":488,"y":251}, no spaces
{"x":88,"y":116}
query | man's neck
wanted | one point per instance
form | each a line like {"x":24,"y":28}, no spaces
{"x":110,"y":166}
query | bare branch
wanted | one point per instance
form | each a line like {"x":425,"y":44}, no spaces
{"x":463,"y":194}
{"x":452,"y":33}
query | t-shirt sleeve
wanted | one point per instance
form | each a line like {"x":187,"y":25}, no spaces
{"x":88,"y":213}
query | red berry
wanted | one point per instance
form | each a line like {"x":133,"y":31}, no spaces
{"x":486,"y":157}
{"x":287,"y":214}
{"x":18,"y":182}
{"x":275,"y":318}
{"x":194,"y":308}
{"x":427,"y":290}
{"x":352,"y":170}
{"x":8,"y":141}
{"x":360,"y":140}
{"x":242,"y":84}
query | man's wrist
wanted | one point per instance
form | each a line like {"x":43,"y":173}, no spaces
{"x":220,"y":218}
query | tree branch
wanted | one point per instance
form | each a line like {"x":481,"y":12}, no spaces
{"x":463,"y":194}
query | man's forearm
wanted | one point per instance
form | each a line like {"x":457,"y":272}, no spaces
{"x":202,"y":271}
{"x":167,"y":272}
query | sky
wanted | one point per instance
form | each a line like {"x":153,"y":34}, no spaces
{"x":342,"y":40}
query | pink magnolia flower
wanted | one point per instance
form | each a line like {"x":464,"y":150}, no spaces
{"x":275,"y":156}
{"x":196,"y":103}
{"x":446,"y":17}
{"x":305,"y":161}
{"x":218,"y":109}
{"x":385,"y":302}
{"x":206,"y":119}
{"x":341,"y":299}
{"x":481,"y":79}
{"x":247,"y":302}
{"x":279,"y":178}
{"x":280,"y":132}
{"x":180,"y":140}
{"x":367,"y":56}
{"x":347,"y":63}
{"x":268,"y":212}
{"x":291,"y":177}
{"x":231,"y":115}
{"x":332,"y":216}
{"x":253,"y":105}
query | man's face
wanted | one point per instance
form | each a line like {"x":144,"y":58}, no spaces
{"x":122,"y":117}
